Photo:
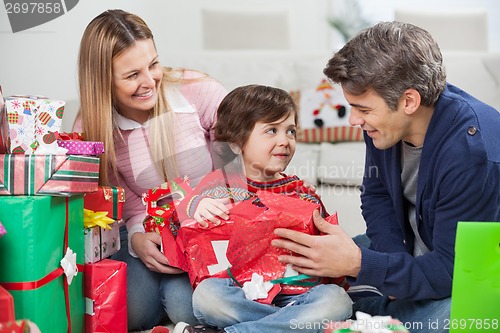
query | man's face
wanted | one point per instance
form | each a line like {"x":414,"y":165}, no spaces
{"x":385,"y":126}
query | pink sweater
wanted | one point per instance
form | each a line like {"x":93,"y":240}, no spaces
{"x":195,"y":111}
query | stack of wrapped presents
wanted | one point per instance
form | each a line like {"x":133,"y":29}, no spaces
{"x":57,"y":226}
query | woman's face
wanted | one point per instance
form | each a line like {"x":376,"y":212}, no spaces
{"x":136,"y":79}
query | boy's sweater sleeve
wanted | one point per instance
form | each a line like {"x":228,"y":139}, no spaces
{"x":187,"y":207}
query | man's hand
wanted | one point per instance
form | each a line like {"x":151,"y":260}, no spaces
{"x":333,"y":254}
{"x":146,"y":246}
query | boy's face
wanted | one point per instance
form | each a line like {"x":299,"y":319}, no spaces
{"x":269,"y":149}
{"x":385,"y":126}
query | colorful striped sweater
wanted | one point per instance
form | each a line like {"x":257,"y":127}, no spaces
{"x":219,"y":185}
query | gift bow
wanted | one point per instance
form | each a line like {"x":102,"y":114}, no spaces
{"x":365,"y":323}
{"x":75,"y":136}
{"x":68,"y":264}
{"x":92,"y":219}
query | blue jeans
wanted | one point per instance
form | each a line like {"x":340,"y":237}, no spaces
{"x":426,"y":316}
{"x":219,"y":303}
{"x":152,"y":296}
{"x":429,"y":316}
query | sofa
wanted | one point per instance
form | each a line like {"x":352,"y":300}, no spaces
{"x":333,"y":162}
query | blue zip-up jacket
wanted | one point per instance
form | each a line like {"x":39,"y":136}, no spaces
{"x":458,"y":180}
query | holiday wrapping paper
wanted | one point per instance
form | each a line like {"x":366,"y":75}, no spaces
{"x":6,"y":306}
{"x":106,"y":198}
{"x":82,"y":147}
{"x":243,"y":242}
{"x":106,"y":296}
{"x":48,"y":174}
{"x":101,"y":243}
{"x":40,"y":233}
{"x":161,"y":203}
{"x":31,"y":120}
{"x":19,"y":326}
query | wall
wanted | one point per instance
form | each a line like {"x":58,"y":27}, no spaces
{"x":382,"y":10}
{"x":42,"y":60}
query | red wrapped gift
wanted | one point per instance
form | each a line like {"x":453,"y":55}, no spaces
{"x":106,"y":199}
{"x":106,"y":296}
{"x":6,"y":305}
{"x":19,"y":326}
{"x":69,"y":136}
{"x":161,"y":214}
{"x":242,"y":242}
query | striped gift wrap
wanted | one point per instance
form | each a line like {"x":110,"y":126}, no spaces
{"x":58,"y":175}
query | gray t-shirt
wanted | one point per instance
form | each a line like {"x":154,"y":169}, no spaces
{"x":410,"y":161}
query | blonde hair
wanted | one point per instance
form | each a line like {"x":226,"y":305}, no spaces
{"x":105,"y":38}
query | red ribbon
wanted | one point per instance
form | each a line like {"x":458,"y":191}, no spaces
{"x":69,"y":136}
{"x":51,"y":276}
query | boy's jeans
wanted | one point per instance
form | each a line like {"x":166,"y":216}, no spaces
{"x":218,"y":302}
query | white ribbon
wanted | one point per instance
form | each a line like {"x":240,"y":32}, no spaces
{"x":365,"y":323}
{"x":68,"y":263}
{"x":256,"y":288}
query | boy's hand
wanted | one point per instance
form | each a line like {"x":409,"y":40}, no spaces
{"x":209,"y":209}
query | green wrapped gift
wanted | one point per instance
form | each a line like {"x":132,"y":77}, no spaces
{"x":30,"y":257}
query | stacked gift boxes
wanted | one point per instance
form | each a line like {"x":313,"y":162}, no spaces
{"x":102,"y":233}
{"x":43,"y":181}
{"x":42,"y":232}
{"x":105,"y":279}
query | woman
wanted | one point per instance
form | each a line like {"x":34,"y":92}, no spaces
{"x":156,"y":124}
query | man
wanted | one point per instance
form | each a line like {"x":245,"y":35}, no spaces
{"x":432,"y":160}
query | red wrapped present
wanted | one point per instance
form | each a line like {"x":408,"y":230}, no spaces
{"x":243,"y":242}
{"x":161,"y":202}
{"x":106,"y":296}
{"x":106,"y":199}
{"x":6,"y":305}
{"x":19,"y":326}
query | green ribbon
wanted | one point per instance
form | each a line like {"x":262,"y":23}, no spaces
{"x":296,"y":280}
